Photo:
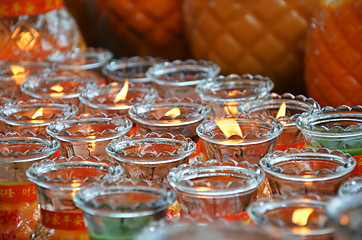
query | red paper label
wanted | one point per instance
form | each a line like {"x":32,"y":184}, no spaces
{"x":358,"y":169}
{"x":62,"y":220}
{"x":17,"y":192}
{"x":15,"y":8}
{"x":298,"y":146}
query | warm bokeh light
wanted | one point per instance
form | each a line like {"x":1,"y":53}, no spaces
{"x":229,"y":126}
{"x":122,"y":94}
{"x":19,"y":73}
{"x":301,"y":216}
{"x":58,"y":91}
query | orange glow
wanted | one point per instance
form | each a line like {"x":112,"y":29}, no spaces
{"x":19,"y":73}
{"x":122,"y":94}
{"x":202,"y":189}
{"x":282,"y":110}
{"x":231,"y":108}
{"x":229,"y":126}
{"x":301,"y":216}
{"x":174,"y":112}
{"x":58,"y":91}
{"x":38,"y":113}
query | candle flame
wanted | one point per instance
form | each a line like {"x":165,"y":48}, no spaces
{"x":75,"y":185}
{"x":231,"y":107}
{"x":19,"y":74}
{"x":38,"y":113}
{"x":202,"y":189}
{"x":301,"y":216}
{"x":174,"y":112}
{"x":58,"y":91}
{"x":229,"y":126}
{"x":122,"y":94}
{"x":282,"y":110}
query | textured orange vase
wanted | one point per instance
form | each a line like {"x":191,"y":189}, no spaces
{"x":252,"y":36}
{"x":334,"y":54}
{"x":142,"y":27}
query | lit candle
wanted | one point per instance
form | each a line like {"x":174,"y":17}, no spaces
{"x":286,"y":108}
{"x":226,"y":93}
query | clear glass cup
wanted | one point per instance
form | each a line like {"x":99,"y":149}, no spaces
{"x":286,"y":108}
{"x":298,"y":216}
{"x":351,"y":187}
{"x":151,"y":156}
{"x":180,"y":78}
{"x":216,"y":188}
{"x":57,"y":181}
{"x":89,"y":60}
{"x":14,"y":73}
{"x":345,"y":213}
{"x":173,"y":116}
{"x":88,"y":135}
{"x":132,"y":69}
{"x":120,"y":210}
{"x":225,"y":93}
{"x":339,"y":128}
{"x":59,"y":85}
{"x":34,"y":115}
{"x":307,"y":170}
{"x":116,"y":97}
{"x":243,"y":138}
{"x":19,"y":210}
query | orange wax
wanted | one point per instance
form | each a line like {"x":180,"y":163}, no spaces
{"x":334,"y":52}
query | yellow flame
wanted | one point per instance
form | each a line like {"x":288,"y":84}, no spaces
{"x":202,"y":189}
{"x":301,"y":216}
{"x":38,"y":113}
{"x":282,"y":110}
{"x":19,"y":73}
{"x":174,"y":112}
{"x":58,"y":91}
{"x":230,"y":109}
{"x":122,"y":94}
{"x":229,"y":126}
{"x":75,"y":185}
{"x":26,"y":41}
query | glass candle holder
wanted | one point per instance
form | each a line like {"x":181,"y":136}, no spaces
{"x":116,"y":97}
{"x":57,"y":181}
{"x":19,"y":210}
{"x":151,"y":156}
{"x":225,"y":93}
{"x":60,"y":85}
{"x":216,"y":188}
{"x":243,"y":137}
{"x":13,"y":73}
{"x":299,"y":216}
{"x":303,"y":171}
{"x":121,"y":210}
{"x":345,"y":213}
{"x":339,"y":128}
{"x":178,"y":117}
{"x":90,"y":60}
{"x":132,"y":69}
{"x":351,"y":187}
{"x":180,"y":78}
{"x":88,"y":135}
{"x":34,"y":115}
{"x":214,"y":230}
{"x":286,"y":108}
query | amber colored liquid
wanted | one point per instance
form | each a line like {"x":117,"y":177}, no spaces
{"x":153,"y":149}
{"x":18,"y":219}
{"x":333,"y":54}
{"x":90,"y":129}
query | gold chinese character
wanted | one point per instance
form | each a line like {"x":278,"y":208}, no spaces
{"x":26,"y":191}
{"x":56,"y":220}
{"x":67,"y":220}
{"x":47,"y":218}
{"x":9,"y":193}
{"x":78,"y":221}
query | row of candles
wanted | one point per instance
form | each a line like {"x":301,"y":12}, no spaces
{"x":110,"y":135}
